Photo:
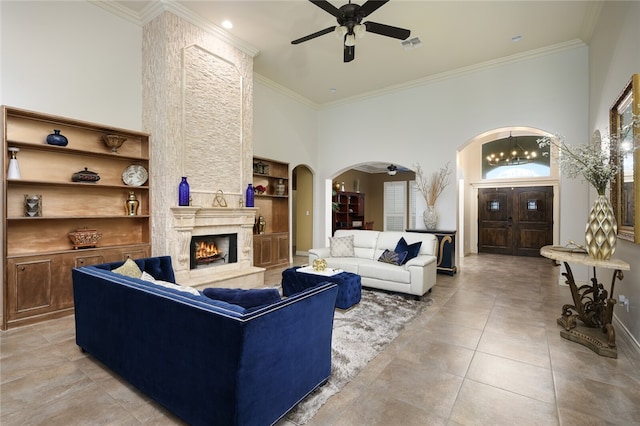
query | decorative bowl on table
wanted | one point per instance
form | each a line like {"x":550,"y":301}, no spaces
{"x":113,"y":141}
{"x":319,"y":265}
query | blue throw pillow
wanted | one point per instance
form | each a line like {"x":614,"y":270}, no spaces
{"x":390,"y":256}
{"x":246,"y":298}
{"x":411,"y":249}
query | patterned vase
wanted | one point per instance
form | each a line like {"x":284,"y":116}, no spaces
{"x":602,"y":230}
{"x":430,"y":217}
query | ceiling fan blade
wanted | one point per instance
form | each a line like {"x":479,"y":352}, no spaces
{"x":387,"y":30}
{"x":370,"y":7}
{"x":349,"y":53}
{"x":314,"y":35}
{"x":327,"y":7}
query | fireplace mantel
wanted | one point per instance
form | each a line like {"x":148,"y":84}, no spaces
{"x":196,"y":220}
{"x":193,"y":216}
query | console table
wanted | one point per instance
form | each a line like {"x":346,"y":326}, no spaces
{"x":445,"y":250}
{"x":592,"y":304}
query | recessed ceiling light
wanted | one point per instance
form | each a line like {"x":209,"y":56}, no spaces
{"x":227,"y":24}
{"x":516,"y":38}
{"x":333,"y":90}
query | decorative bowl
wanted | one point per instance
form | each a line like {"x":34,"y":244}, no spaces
{"x":85,"y":176}
{"x":319,"y":265}
{"x":84,"y":238}
{"x":113,"y":141}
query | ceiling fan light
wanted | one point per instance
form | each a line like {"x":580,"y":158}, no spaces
{"x":392,"y":170}
{"x":350,"y":40}
{"x":341,"y":31}
{"x":359,"y":30}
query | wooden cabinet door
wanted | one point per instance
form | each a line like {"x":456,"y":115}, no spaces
{"x":262,"y":250}
{"x":515,"y":221}
{"x":281,"y":249}
{"x":29,"y":287}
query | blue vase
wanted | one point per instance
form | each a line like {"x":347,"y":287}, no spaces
{"x":249,"y":198}
{"x":56,"y":138}
{"x":183,"y":192}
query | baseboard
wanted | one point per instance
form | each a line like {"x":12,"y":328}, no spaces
{"x":632,"y":346}
{"x":302,"y":253}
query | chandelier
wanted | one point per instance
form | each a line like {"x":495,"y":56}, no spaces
{"x":515,"y":157}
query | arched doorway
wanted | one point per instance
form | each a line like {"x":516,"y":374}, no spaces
{"x":301,"y":210}
{"x":472,"y":181}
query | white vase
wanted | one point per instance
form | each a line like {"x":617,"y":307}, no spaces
{"x":13,"y":172}
{"x":430,"y":217}
{"x":602,"y":230}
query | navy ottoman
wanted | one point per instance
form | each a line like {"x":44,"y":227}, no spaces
{"x":349,"y":285}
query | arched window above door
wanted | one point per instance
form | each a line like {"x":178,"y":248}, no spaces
{"x":515,"y":157}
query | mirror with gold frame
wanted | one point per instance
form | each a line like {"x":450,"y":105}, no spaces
{"x":625,"y":144}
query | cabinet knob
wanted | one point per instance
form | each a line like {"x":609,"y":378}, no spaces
{"x":21,"y":268}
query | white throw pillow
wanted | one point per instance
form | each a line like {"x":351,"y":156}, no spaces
{"x":148,"y":277}
{"x":342,"y":246}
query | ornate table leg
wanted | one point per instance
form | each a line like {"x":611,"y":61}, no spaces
{"x":594,"y":308}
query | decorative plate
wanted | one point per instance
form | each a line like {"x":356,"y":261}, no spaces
{"x":135,"y":175}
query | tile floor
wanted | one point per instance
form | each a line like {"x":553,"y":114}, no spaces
{"x":487,"y":352}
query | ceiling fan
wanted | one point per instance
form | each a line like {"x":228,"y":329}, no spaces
{"x":350,"y":24}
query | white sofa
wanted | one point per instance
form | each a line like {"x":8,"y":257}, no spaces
{"x":416,"y":277}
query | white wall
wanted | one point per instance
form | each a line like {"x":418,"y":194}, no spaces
{"x":72,"y":59}
{"x":614,"y":57}
{"x":285,"y":129}
{"x":429,"y":123}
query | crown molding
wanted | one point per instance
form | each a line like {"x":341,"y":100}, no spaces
{"x":276,"y":87}
{"x":118,"y":10}
{"x":155,"y":8}
{"x":569,"y":45}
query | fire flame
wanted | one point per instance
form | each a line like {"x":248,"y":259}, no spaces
{"x":205,"y":250}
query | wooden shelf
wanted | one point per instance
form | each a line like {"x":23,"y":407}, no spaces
{"x":38,"y":253}
{"x":125,"y":217}
{"x":350,"y":210}
{"x":69,"y":151}
{"x":271,"y":249}
{"x":98,"y":184}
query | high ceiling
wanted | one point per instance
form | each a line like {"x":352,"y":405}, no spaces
{"x":454,"y":35}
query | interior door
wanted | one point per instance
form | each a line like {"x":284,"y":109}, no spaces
{"x":515,"y":221}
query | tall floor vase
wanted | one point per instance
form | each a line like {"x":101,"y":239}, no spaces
{"x":602,"y":230}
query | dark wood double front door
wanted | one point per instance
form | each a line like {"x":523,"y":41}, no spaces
{"x":515,"y":221}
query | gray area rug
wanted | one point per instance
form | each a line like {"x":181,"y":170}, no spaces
{"x":359,"y":334}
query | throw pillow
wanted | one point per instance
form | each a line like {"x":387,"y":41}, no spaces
{"x":411,"y":249}
{"x":129,"y":269}
{"x":246,"y":298}
{"x":186,"y":289}
{"x":390,"y":256}
{"x":342,"y":246}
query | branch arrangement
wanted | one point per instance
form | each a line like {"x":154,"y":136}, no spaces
{"x":432,"y":186}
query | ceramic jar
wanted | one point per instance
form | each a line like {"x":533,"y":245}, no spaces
{"x":56,"y":138}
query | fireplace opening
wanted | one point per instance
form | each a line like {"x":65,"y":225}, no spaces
{"x":213,"y":250}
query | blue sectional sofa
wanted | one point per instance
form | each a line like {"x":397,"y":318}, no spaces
{"x":207,"y":361}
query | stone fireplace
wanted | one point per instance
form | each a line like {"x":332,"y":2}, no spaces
{"x":198,"y":107}
{"x":230,"y":231}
